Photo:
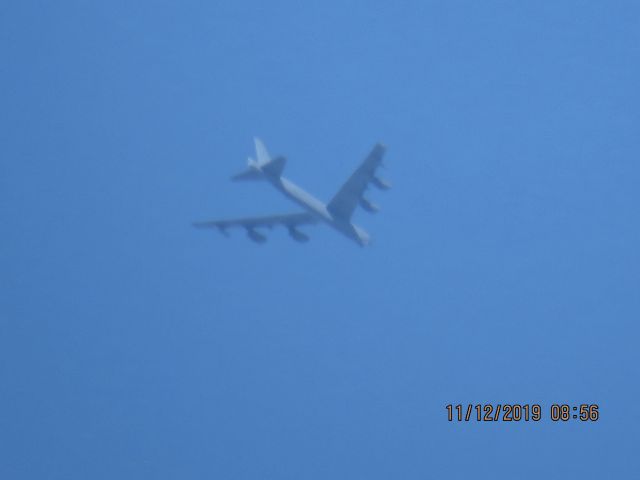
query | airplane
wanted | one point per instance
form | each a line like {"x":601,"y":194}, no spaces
{"x":337,"y":213}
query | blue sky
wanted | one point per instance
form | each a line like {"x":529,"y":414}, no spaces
{"x":504,"y":266}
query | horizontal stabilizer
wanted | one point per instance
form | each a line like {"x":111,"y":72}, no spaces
{"x":250,"y":173}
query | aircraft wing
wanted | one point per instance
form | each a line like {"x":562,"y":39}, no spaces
{"x":349,"y":196}
{"x":290,"y":221}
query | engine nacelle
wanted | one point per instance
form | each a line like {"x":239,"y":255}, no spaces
{"x":368,"y":206}
{"x":255,"y":236}
{"x":380,"y":183}
{"x":298,"y":236}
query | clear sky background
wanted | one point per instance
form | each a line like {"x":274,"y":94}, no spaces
{"x":504,"y":266}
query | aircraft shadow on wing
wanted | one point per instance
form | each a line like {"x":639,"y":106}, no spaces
{"x":337,"y":213}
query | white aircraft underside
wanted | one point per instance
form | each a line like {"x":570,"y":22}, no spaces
{"x":337,"y":213}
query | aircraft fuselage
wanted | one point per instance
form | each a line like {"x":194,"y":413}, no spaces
{"x":318,"y":209}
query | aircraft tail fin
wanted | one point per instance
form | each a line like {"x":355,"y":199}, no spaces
{"x":257,"y":169}
{"x":274,"y":167}
{"x":261,"y":152}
